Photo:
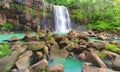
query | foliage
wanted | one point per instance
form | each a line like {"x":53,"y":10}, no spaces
{"x":112,"y":47}
{"x":4,"y":50}
{"x":101,"y":55}
{"x":16,"y":5}
{"x":104,"y":14}
{"x":42,"y":70}
{"x":32,"y":11}
{"x":7,"y":25}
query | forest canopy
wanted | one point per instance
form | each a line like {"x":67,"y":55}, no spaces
{"x":103,"y":14}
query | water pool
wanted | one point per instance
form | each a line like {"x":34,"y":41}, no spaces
{"x":4,"y":37}
{"x":70,"y":64}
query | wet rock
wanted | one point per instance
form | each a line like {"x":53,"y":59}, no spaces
{"x":93,"y":58}
{"x":14,"y":70}
{"x":28,"y":37}
{"x":118,"y":45}
{"x":23,"y":61}
{"x":39,"y":54}
{"x":116,"y":64}
{"x":91,"y":68}
{"x":97,"y":30}
{"x":13,"y":39}
{"x":91,"y":33}
{"x":56,"y":68}
{"x":91,"y":45}
{"x":58,"y":37}
{"x":2,"y":18}
{"x":64,"y":42}
{"x":91,"y":49}
{"x":74,"y":33}
{"x":6,"y":63}
{"x":35,"y":45}
{"x":82,"y":56}
{"x":110,"y":55}
{"x":85,"y":33}
{"x":101,"y":46}
{"x":46,"y":50}
{"x":39,"y":65}
{"x":60,"y":53}
{"x":84,"y":37}
{"x":101,"y":37}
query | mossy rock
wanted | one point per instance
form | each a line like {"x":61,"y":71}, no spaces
{"x":35,"y":45}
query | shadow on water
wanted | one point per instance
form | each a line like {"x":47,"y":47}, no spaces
{"x":70,"y":64}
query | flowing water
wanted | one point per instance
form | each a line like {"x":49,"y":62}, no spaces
{"x":62,"y":19}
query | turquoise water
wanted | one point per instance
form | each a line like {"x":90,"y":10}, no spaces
{"x":4,"y":37}
{"x":63,"y":33}
{"x":97,"y":40}
{"x":70,"y":64}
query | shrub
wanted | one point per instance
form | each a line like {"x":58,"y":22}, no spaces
{"x":7,"y":25}
{"x":112,"y":47}
{"x":4,"y":50}
{"x":101,"y":55}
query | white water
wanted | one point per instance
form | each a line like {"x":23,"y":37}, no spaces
{"x":62,"y":19}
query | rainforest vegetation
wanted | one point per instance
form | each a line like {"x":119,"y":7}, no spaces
{"x":103,"y":14}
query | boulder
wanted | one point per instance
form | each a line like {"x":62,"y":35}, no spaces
{"x":56,"y":68}
{"x":46,"y":50}
{"x":6,"y":63}
{"x":23,"y":61}
{"x":29,"y":37}
{"x":91,"y":45}
{"x":74,"y":33}
{"x":39,"y":65}
{"x":101,"y":37}
{"x":84,"y":37}
{"x":85,"y":33}
{"x":90,"y":68}
{"x":116,"y":64}
{"x":93,"y":58}
{"x":110,"y":55}
{"x":39,"y":54}
{"x":59,"y":52}
{"x":91,"y":33}
{"x":13,"y":39}
{"x":82,"y":56}
{"x":64,"y":42}
{"x":101,"y":46}
{"x":36,"y":45}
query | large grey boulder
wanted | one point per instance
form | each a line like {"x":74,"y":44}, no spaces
{"x":23,"y":61}
{"x":56,"y":68}
{"x":116,"y":64}
{"x":88,"y":67}
{"x":6,"y":63}
{"x":36,"y":45}
{"x":39,"y":65}
{"x":93,"y":58}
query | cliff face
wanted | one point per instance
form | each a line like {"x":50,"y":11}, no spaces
{"x":23,"y":15}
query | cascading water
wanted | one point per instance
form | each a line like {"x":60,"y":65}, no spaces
{"x":62,"y":19}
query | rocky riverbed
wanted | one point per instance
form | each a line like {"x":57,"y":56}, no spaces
{"x":32,"y":53}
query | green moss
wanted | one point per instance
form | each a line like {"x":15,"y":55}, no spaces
{"x":42,"y":70}
{"x":112,"y":47}
{"x":16,"y":5}
{"x":101,"y":55}
{"x":32,"y":11}
{"x":36,"y":46}
{"x":4,"y":50}
{"x":7,"y":25}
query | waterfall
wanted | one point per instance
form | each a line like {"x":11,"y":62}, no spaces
{"x":62,"y":19}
